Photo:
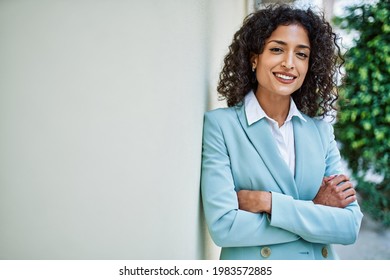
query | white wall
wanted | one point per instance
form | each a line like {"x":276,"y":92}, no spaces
{"x":101,"y":111}
{"x":227,"y":17}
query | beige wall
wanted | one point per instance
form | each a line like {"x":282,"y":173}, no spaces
{"x":101,"y":109}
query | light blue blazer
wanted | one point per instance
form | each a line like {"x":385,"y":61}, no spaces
{"x":237,"y":156}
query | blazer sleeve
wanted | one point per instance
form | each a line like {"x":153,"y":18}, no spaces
{"x":319,"y":223}
{"x":228,"y":225}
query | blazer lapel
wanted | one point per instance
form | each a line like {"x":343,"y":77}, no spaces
{"x":309,"y":157}
{"x":260,"y":135}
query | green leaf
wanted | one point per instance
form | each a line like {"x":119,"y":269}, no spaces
{"x":363,"y":122}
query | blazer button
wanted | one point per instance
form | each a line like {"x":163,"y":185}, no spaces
{"x":324,"y":252}
{"x":265,"y":252}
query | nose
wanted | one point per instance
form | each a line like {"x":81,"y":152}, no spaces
{"x":288,"y":61}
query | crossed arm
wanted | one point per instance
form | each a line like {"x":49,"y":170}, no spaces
{"x":241,"y":218}
{"x":335,"y":191}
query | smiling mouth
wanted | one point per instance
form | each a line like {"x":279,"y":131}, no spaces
{"x":284,"y":78}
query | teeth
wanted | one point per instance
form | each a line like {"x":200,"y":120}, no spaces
{"x":284,"y":77}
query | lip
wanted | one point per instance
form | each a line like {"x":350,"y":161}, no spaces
{"x":282,"y":80}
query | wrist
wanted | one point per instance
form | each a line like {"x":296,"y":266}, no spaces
{"x":266,"y":202}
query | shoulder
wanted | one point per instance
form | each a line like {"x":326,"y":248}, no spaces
{"x":223,"y":116}
{"x":321,"y":124}
{"x":323,"y":128}
{"x":224,"y":120}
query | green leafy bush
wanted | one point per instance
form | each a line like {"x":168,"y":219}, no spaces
{"x":363,"y":124}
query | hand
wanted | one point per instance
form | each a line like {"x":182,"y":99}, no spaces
{"x":335,"y":191}
{"x":254,"y":201}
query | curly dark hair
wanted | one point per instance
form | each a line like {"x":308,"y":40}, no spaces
{"x":318,"y":92}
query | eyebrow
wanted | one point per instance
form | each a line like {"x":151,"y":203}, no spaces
{"x":285,"y":44}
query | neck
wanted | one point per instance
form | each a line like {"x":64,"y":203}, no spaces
{"x":276,"y":107}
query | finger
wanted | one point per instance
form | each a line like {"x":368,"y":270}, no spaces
{"x":340,"y":178}
{"x":349,"y":192}
{"x":327,"y":179}
{"x":343,"y":186}
{"x":349,"y":200}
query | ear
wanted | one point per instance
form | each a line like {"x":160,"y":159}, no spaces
{"x":254,"y":60}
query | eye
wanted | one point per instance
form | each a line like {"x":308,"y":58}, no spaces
{"x":302,"y":55}
{"x":276,"y":50}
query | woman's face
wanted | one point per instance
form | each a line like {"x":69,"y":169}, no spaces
{"x":282,"y":67}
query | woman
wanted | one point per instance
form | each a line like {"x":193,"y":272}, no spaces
{"x":271,"y":183}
